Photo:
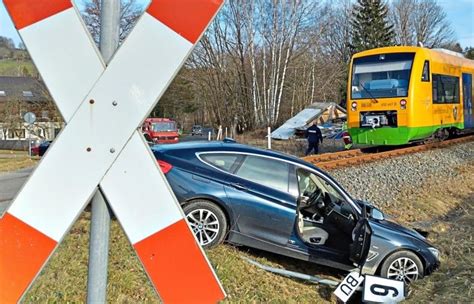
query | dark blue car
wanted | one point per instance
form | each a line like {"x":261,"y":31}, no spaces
{"x":279,"y":203}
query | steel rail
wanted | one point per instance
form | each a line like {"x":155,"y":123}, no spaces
{"x":354,"y":157}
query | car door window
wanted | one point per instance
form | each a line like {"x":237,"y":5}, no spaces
{"x":223,"y":161}
{"x":309,"y":182}
{"x":265,"y":171}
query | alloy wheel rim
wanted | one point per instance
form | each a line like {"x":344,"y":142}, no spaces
{"x":403,"y":269}
{"x":204,"y":224}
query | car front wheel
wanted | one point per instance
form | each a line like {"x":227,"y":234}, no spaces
{"x":403,"y":266}
{"x":207,"y":221}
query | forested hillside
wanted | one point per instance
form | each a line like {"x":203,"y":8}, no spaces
{"x":15,"y":61}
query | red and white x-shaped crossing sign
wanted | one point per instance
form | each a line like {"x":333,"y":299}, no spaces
{"x":94,"y":99}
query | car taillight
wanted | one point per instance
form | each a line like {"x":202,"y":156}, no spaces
{"x":164,"y":166}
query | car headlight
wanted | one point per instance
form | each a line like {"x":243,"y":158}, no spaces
{"x":435,"y":252}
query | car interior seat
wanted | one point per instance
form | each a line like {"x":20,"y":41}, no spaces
{"x":311,"y":234}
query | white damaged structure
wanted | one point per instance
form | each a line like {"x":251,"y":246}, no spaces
{"x":329,"y":116}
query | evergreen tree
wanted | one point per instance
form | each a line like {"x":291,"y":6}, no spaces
{"x":469,"y":53}
{"x":371,"y":28}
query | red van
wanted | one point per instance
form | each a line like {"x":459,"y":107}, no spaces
{"x":161,"y":130}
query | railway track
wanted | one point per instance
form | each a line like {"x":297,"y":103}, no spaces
{"x":355,"y":157}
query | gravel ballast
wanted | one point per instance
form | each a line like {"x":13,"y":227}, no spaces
{"x":384,"y":182}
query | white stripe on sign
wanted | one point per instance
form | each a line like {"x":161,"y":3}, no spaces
{"x":50,"y":45}
{"x":135,"y":92}
{"x":87,"y":152}
{"x":139,"y":194}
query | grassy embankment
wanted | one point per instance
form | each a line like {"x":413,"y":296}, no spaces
{"x":15,"y":160}
{"x":16,"y":63}
{"x":448,"y":214}
{"x":17,"y":67}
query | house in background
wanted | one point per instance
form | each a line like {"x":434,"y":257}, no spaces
{"x":19,"y":95}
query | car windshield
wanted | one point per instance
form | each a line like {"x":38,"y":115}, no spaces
{"x":163,"y":126}
{"x":381,"y":76}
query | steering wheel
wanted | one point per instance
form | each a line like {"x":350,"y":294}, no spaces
{"x":315,"y":196}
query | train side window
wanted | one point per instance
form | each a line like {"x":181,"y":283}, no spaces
{"x":445,"y":89}
{"x":426,"y":72}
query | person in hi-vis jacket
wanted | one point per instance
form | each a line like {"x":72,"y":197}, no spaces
{"x":314,"y":136}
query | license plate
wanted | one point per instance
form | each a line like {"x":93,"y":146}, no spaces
{"x":348,"y":286}
{"x":380,"y":290}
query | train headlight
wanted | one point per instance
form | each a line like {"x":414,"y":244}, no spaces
{"x":403,"y":104}
{"x":354,"y":106}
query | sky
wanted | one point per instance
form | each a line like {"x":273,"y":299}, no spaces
{"x":460,"y":13}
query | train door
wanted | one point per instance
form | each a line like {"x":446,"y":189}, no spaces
{"x":467,"y":100}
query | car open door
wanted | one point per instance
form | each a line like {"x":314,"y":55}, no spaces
{"x":361,"y":236}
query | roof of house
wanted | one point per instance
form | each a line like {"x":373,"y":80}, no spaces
{"x":25,"y":89}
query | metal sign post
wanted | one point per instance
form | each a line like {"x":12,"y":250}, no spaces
{"x":100,"y":219}
{"x":93,"y":99}
{"x":30,"y":119}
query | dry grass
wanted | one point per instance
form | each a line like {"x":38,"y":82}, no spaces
{"x":13,"y":152}
{"x":452,"y":231}
{"x":64,"y":279}
{"x":447,"y":211}
{"x":16,"y":163}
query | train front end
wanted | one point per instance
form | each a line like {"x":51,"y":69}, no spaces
{"x":379,"y":96}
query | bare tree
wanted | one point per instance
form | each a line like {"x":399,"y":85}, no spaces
{"x":130,"y":12}
{"x":401,"y":16}
{"x":421,"y":21}
{"x":246,"y":65}
{"x":336,"y":37}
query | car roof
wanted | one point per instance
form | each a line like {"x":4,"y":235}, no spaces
{"x":216,"y":146}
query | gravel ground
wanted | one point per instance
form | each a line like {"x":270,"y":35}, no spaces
{"x":384,"y":182}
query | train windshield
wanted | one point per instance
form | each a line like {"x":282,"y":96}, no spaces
{"x":381,"y":76}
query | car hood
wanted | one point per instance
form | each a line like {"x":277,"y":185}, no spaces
{"x":392,"y":225}
{"x":395,"y":227}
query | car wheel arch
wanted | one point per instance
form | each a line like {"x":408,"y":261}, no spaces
{"x":414,"y":251}
{"x":213,"y":200}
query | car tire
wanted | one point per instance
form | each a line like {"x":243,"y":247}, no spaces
{"x":207,"y":221}
{"x":403,"y":266}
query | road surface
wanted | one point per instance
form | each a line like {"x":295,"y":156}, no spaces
{"x":10,"y":184}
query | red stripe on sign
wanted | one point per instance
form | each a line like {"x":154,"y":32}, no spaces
{"x":26,"y":12}
{"x":188,"y":18}
{"x":23,"y":250}
{"x":177,"y":266}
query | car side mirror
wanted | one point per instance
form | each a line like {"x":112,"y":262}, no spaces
{"x":377,"y":214}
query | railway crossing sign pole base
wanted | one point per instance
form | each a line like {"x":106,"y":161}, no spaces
{"x":94,"y":98}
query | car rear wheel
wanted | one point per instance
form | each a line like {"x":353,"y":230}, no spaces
{"x":403,"y":266}
{"x":207,"y":221}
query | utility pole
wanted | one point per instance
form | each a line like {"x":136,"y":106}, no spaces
{"x":100,"y":221}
